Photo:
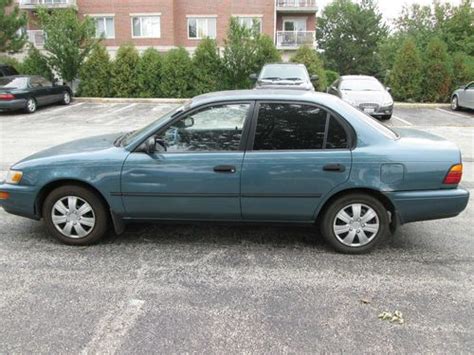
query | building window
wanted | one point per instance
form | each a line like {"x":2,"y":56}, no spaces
{"x":104,"y":26}
{"x":201,"y":27}
{"x":250,"y":22}
{"x":146,"y":27}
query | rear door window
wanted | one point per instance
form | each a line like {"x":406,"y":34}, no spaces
{"x":295,"y":126}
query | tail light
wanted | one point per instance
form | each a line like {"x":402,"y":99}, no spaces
{"x":454,"y":175}
{"x":7,"y":97}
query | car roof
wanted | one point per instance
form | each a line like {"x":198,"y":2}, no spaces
{"x":20,"y":76}
{"x":263,"y":94}
{"x":358,"y":77}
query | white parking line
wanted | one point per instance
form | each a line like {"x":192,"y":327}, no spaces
{"x":402,"y":120}
{"x":121,"y":109}
{"x":453,"y":113}
{"x":58,"y":110}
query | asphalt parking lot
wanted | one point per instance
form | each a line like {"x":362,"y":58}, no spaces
{"x":232,"y":289}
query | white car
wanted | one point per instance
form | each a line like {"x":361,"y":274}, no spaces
{"x":463,"y":97}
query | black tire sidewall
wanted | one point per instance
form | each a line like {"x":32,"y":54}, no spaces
{"x":100,"y":212}
{"x":331,"y":212}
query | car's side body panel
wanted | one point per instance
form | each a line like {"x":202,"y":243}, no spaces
{"x":465,"y":96}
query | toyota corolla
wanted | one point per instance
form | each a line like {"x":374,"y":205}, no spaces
{"x":261,"y":156}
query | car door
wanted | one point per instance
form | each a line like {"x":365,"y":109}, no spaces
{"x":298,"y":154}
{"x":467,"y":96}
{"x":198,"y":176}
{"x":52,"y":92}
{"x":39,"y":92}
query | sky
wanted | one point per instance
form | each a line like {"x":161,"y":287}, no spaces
{"x":392,"y":8}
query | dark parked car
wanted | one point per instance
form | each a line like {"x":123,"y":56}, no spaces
{"x":7,"y":70}
{"x":24,"y":92}
{"x":463,"y":97}
{"x":365,"y":93}
{"x":268,"y":156}
{"x":284,"y":76}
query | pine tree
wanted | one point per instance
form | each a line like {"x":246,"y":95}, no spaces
{"x":207,"y":67}
{"x":309,"y":57}
{"x":95,"y":74}
{"x":437,"y":72}
{"x":125,"y":72}
{"x":11,"y":21}
{"x":149,"y":73}
{"x":406,"y":75}
{"x":176,"y":74}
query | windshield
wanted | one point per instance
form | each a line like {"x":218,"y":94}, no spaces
{"x":283,"y":72}
{"x":361,"y":85}
{"x":12,"y":83}
{"x":128,"y":138}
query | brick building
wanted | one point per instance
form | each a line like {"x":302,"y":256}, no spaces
{"x":164,"y":24}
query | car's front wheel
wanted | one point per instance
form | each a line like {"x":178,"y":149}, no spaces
{"x":75,"y":215}
{"x":66,"y":98}
{"x":31,"y":105}
{"x":455,"y":103}
{"x":355,"y":223}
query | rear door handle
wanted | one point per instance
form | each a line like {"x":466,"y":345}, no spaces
{"x":334,"y":167}
{"x":224,"y":169}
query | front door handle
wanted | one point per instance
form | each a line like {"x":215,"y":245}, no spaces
{"x":334,"y":167}
{"x":224,"y":169}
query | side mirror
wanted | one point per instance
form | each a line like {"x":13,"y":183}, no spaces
{"x":389,"y":89}
{"x":314,"y":77}
{"x":253,"y":77}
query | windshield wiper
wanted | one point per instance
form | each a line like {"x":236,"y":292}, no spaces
{"x":121,"y":138}
{"x":294,"y":79}
{"x":271,"y":78}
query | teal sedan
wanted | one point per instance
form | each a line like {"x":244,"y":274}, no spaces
{"x":253,"y":156}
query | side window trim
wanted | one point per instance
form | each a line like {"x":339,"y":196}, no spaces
{"x":351,"y":135}
{"x":181,"y":115}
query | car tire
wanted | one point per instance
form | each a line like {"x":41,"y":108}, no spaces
{"x":455,"y":103}
{"x":66,"y":98}
{"x":31,"y":105}
{"x":75,"y":215}
{"x":344,"y":227}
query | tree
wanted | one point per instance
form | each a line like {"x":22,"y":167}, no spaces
{"x":36,"y":64}
{"x":95,"y":74}
{"x":463,"y":69}
{"x":176,"y":74}
{"x":68,"y":40}
{"x":437,"y":72}
{"x":11,"y":23}
{"x":406,"y":75}
{"x":125,"y":72}
{"x":207,"y":67}
{"x":309,"y":57}
{"x":149,"y":73}
{"x":266,"y":51}
{"x":349,"y":34}
{"x":239,"y":55}
{"x":331,"y":76}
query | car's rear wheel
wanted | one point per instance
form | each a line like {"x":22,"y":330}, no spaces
{"x":66,"y":98}
{"x":31,"y":105}
{"x":75,"y":215}
{"x":355,"y":223}
{"x":455,"y":103}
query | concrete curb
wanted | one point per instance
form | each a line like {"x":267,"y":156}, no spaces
{"x":181,"y":101}
{"x":108,"y":100}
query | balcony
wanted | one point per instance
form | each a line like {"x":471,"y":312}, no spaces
{"x":290,"y":40}
{"x":36,"y":37}
{"x":50,"y":4}
{"x":296,"y":6}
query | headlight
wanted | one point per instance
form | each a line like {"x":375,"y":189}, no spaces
{"x":387,"y":103}
{"x":14,"y":177}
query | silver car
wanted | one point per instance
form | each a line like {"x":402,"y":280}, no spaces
{"x":365,"y":93}
{"x":463,"y":97}
{"x":284,"y":76}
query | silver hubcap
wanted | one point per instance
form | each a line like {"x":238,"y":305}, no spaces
{"x":73,"y":217}
{"x":356,"y":225}
{"x":31,"y":105}
{"x":67,"y":98}
{"x":454,"y":103}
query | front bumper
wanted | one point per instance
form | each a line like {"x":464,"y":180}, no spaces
{"x":413,"y":206}
{"x":376,"y":111}
{"x":12,"y":105}
{"x":21,"y":201}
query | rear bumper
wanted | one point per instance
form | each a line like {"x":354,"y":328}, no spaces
{"x":21,"y":201}
{"x":12,"y":104}
{"x":413,"y":206}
